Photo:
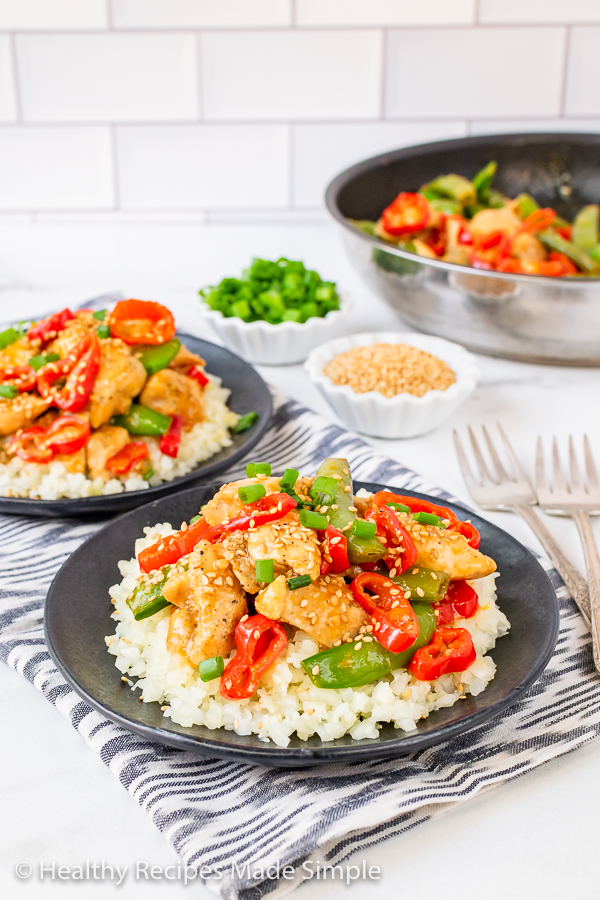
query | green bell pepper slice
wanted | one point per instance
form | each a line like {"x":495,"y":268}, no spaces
{"x":156,"y":358}
{"x":359,"y":549}
{"x":554,"y":241}
{"x":446,"y":205}
{"x":482,"y":182}
{"x":456,"y":187}
{"x":147,"y":598}
{"x":585,"y":227}
{"x":365,"y":225}
{"x":526,"y":205}
{"x":143,"y":420}
{"x":423,"y":586}
{"x":345,"y":666}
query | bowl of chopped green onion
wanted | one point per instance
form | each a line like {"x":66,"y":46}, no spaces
{"x":275,"y":313}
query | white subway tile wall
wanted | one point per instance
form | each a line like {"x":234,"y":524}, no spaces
{"x":243,"y":110}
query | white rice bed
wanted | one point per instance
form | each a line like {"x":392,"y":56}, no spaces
{"x":287,"y":702}
{"x":203,"y":440}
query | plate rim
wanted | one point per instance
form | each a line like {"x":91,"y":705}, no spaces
{"x":299,"y":757}
{"x":107,"y":503}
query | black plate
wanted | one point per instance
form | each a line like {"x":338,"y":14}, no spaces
{"x":248,"y":392}
{"x":77,"y":621}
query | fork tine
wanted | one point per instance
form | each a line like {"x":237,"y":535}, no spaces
{"x":540,"y":469}
{"x":500,"y":470}
{"x":558,"y":479}
{"x":511,"y":454}
{"x":590,"y":468}
{"x":576,"y":482}
{"x":483,"y":469}
{"x":467,"y":472}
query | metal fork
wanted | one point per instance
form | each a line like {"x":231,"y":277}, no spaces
{"x":578,"y":500}
{"x":512,"y":491}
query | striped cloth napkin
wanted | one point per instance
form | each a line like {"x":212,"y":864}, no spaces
{"x":230,"y":820}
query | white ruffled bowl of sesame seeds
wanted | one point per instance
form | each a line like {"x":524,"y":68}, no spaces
{"x":393,"y":385}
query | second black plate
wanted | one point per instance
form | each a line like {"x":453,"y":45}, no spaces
{"x":248,"y":392}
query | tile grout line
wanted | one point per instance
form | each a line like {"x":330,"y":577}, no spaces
{"x":565,"y":72}
{"x":383,"y":73}
{"x":109,"y":16}
{"x":291,"y":163}
{"x":198,"y":59}
{"x":17,"y":81}
{"x":115,"y":167}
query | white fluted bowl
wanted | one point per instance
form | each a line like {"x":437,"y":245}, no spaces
{"x":402,"y":416}
{"x":276,"y":345}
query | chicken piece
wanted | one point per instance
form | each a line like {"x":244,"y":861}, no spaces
{"x":235,"y":549}
{"x":73,"y":462}
{"x":455,"y":251}
{"x":174,"y":394}
{"x":325,"y":610}
{"x":527,"y":246}
{"x":72,"y":333}
{"x":121,"y":377}
{"x":447,"y":551}
{"x":18,"y":354}
{"x":102,"y":445}
{"x":212,"y":597}
{"x":226,"y":503}
{"x":185,"y":359}
{"x":288,"y":544}
{"x":182,"y":625}
{"x":488,"y":220}
{"x":20,"y":412}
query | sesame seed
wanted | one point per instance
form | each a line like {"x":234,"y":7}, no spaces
{"x":315,"y":670}
{"x":420,"y":592}
{"x":415,"y":572}
{"x":392,"y":573}
{"x":244,"y":618}
{"x":390,"y":369}
{"x":304,"y":603}
{"x":309,"y":712}
{"x":236,"y":724}
{"x":358,"y":645}
{"x":395,"y":604}
{"x":407,"y":693}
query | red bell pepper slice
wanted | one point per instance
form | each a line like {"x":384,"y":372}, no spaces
{"x":569,"y":267}
{"x":566,"y":231}
{"x":30,"y":445}
{"x":396,"y":625}
{"x":549,"y":268}
{"x":415,"y":504}
{"x":269,"y":508}
{"x":67,"y":434}
{"x":450,"y":650}
{"x":22,"y":377}
{"x":48,"y":329}
{"x":461,"y":602}
{"x":168,"y":550}
{"x":402,"y":553}
{"x":487,"y":241}
{"x":81,"y":367}
{"x":335,"y":546}
{"x":407,"y":214}
{"x":538,"y":220}
{"x":127,"y":457}
{"x":259,"y":642}
{"x":170,"y":442}
{"x":141,"y":322}
{"x":198,"y":375}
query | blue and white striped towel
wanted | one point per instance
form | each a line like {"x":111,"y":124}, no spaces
{"x":216,"y":813}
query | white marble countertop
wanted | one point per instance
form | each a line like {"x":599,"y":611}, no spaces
{"x":531,"y":837}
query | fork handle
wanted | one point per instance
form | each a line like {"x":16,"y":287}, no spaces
{"x":592,"y":565}
{"x":578,"y":587}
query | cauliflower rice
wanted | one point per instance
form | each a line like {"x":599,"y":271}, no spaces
{"x":203,"y":440}
{"x":287,"y":701}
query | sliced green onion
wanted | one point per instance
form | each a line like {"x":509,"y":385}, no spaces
{"x":254,"y":469}
{"x":148,"y":474}
{"x":101,"y":314}
{"x":195,"y":519}
{"x":8,"y":391}
{"x":289,"y":479}
{"x":245,"y":422}
{"x":311,"y":519}
{"x":325,"y":485}
{"x":212,"y":668}
{"x":103,"y":331}
{"x":250,"y":493}
{"x":363,"y":530}
{"x":36,"y":362}
{"x":264,"y":571}
{"x":425,"y":518}
{"x":298,"y":581}
{"x":8,"y":337}
{"x":398,"y":507}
